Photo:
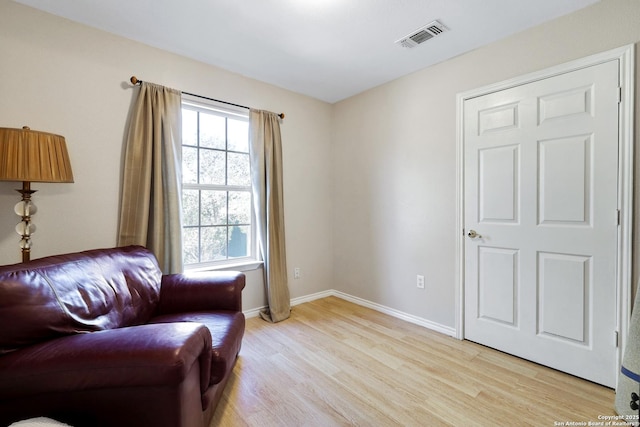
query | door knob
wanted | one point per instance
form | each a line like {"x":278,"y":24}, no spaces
{"x":473,"y":234}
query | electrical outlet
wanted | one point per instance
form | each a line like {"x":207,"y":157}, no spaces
{"x":296,"y":273}
{"x":420,"y":282}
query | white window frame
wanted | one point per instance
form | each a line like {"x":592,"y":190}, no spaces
{"x":244,"y":263}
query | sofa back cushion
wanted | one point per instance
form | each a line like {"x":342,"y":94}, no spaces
{"x":76,"y":293}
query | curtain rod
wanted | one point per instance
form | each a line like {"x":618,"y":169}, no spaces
{"x":134,"y":81}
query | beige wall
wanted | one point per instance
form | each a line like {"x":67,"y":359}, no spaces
{"x":65,"y":78}
{"x":395,"y":160}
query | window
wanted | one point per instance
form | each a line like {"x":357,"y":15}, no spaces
{"x":217,"y":207}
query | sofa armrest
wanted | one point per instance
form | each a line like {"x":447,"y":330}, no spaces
{"x":201,"y":291}
{"x":145,"y":355}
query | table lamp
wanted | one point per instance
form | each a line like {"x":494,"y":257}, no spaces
{"x":31,"y":156}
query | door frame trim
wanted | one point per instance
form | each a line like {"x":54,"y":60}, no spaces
{"x":624,"y":287}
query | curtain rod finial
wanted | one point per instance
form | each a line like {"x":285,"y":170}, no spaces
{"x":281,"y":115}
{"x":134,"y":80}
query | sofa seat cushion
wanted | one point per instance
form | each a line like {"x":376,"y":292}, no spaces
{"x":227,"y":329}
{"x":132,"y":357}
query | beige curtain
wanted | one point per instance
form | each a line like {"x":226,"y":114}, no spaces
{"x":151,"y":202}
{"x":266,"y":177}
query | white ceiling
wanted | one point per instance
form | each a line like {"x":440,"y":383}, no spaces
{"x":327,"y":49}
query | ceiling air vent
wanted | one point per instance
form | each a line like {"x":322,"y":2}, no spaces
{"x":422,"y":34}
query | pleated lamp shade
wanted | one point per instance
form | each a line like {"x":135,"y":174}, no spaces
{"x":33,"y":156}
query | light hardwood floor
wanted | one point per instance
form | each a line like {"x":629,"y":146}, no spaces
{"x":334,"y":363}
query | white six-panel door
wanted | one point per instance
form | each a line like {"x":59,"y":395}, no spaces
{"x":540,"y":214}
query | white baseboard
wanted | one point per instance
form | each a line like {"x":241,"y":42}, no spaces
{"x":255,"y":312}
{"x":312,"y":297}
{"x":446,"y":330}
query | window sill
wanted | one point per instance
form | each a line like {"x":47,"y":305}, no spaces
{"x":239,"y":266}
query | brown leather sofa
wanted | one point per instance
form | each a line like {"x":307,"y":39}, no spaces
{"x":102,"y":338}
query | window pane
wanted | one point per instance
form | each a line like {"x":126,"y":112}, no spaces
{"x":239,"y":239}
{"x":238,"y":137}
{"x":212,"y":167}
{"x":213,"y":208}
{"x":239,"y":207}
{"x":217,"y":222}
{"x":189,"y":127}
{"x":189,"y":165}
{"x":212,"y":131}
{"x":190,"y":207}
{"x":239,"y":172}
{"x":214,"y":244}
{"x":190,"y":247}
